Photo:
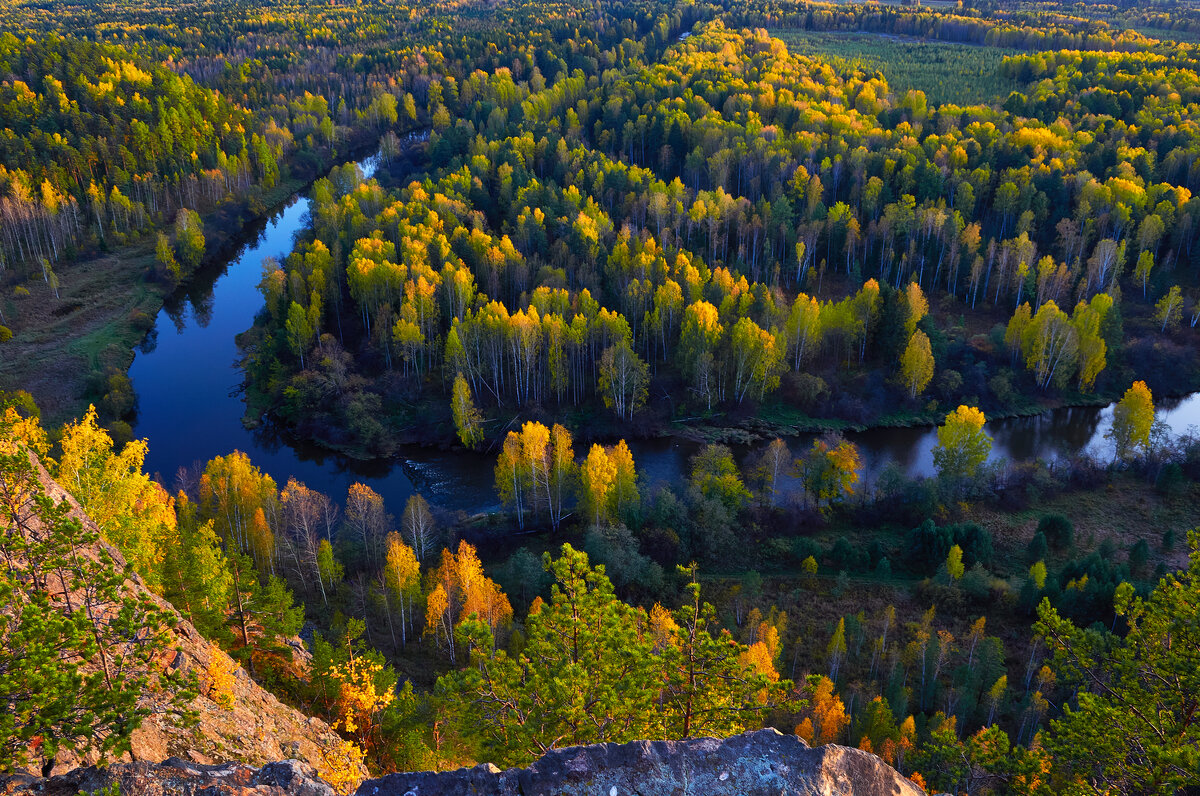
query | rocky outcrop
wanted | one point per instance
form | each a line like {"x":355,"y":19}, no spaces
{"x":253,"y":727}
{"x":176,"y":777}
{"x":763,"y":763}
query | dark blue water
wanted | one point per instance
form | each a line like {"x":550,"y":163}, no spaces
{"x":190,"y":409}
{"x":188,"y":382}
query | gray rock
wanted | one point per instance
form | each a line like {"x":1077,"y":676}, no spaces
{"x":176,"y":777}
{"x":763,"y":763}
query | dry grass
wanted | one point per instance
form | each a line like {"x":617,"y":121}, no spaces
{"x":61,"y":344}
{"x":1126,"y":510}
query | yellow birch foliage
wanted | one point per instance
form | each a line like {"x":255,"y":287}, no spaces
{"x":962,"y":446}
{"x":596,"y":480}
{"x":132,"y":511}
{"x":220,"y":676}
{"x":402,"y":570}
{"x":27,"y":431}
{"x":758,"y":659}
{"x":359,"y":701}
{"x":468,"y":421}
{"x":461,"y":589}
{"x":343,"y":767}
{"x":918,"y":306}
{"x":916,"y":364}
{"x":624,"y":493}
{"x":1133,"y":420}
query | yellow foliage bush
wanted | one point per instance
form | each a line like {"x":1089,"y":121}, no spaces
{"x":220,"y":677}
{"x":343,"y":767}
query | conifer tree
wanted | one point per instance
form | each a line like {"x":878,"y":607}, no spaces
{"x":262,"y":616}
{"x":1130,"y":726}
{"x":584,"y":675}
{"x":66,"y":605}
{"x":197,"y":579}
{"x":713,"y":689}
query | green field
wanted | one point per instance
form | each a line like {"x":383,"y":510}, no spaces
{"x":1181,"y":36}
{"x":960,"y":74}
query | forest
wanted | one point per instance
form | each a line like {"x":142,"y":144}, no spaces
{"x":595,"y":222}
{"x":762,"y":235}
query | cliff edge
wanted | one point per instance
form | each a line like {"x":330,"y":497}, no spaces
{"x":762,"y":763}
{"x":247,"y":724}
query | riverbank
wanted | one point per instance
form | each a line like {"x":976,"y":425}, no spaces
{"x":428,"y":424}
{"x":66,"y":348}
{"x":770,"y":425}
{"x":974,"y":367}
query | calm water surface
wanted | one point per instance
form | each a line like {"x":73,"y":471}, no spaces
{"x":190,"y":408}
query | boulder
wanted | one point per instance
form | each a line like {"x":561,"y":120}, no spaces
{"x":176,"y":777}
{"x":762,"y":763}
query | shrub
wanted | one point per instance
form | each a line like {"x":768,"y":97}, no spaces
{"x":220,"y":677}
{"x":803,"y":548}
{"x":949,"y":383}
{"x":979,"y":584}
{"x":1139,"y":556}
{"x":928,"y":545}
{"x":975,"y":541}
{"x":1058,"y":530}
{"x":1001,"y":387}
{"x":1036,"y":551}
{"x":809,"y":391}
{"x":846,"y":556}
{"x":1169,"y":482}
{"x":118,"y":401}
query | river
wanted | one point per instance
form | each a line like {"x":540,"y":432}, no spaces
{"x":190,"y":408}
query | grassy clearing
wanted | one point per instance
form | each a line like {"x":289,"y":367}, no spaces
{"x":101,"y":314}
{"x":948,"y":73}
{"x":1181,"y":36}
{"x":62,"y":346}
{"x":1124,"y":511}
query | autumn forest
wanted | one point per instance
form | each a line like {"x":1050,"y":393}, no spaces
{"x":771,"y":233}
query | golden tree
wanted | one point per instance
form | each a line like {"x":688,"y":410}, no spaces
{"x":132,"y":511}
{"x":468,"y":421}
{"x":596,"y":481}
{"x":916,"y":363}
{"x":963,"y":446}
{"x":1133,"y":420}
